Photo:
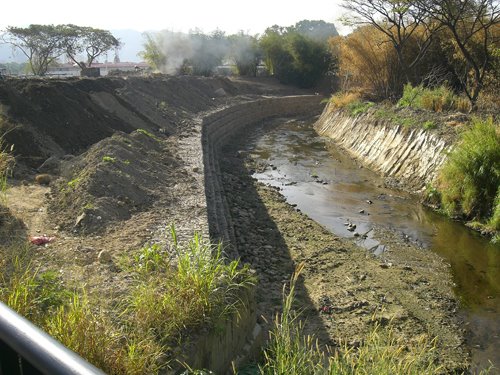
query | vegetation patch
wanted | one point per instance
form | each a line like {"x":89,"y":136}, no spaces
{"x":469,"y":182}
{"x":175,"y":290}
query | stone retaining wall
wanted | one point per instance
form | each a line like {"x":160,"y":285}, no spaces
{"x":239,"y":337}
{"x":412,"y":156}
{"x":217,"y":130}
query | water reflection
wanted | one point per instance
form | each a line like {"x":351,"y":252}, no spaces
{"x":333,"y":190}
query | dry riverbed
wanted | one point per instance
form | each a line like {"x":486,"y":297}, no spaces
{"x":344,"y":290}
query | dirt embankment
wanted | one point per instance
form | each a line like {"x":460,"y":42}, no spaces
{"x":124,"y":160}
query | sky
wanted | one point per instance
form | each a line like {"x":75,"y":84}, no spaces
{"x":231,"y":16}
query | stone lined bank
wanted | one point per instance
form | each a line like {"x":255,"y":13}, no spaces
{"x":412,"y":156}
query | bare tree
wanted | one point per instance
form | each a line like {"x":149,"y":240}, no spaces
{"x":471,"y":24}
{"x":401,"y":21}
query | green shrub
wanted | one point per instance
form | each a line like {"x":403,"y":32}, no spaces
{"x":470,"y":179}
{"x":429,"y":125}
{"x":436,"y":99}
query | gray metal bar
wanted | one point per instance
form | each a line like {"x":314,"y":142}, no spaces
{"x":38,"y":348}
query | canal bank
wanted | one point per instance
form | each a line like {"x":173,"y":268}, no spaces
{"x":344,"y":290}
{"x":326,"y":184}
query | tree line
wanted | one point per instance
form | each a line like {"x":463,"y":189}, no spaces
{"x":295,"y":54}
{"x":44,"y":44}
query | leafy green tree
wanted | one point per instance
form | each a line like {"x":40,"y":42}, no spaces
{"x":41,"y":44}
{"x":319,"y":31}
{"x":89,"y":41}
{"x":294,"y":57}
{"x":244,"y":50}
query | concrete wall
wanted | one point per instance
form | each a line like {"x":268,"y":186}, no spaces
{"x":239,"y":336}
{"x":410,"y":155}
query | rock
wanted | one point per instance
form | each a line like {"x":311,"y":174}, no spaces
{"x":361,"y":211}
{"x":43,"y":179}
{"x":104,"y":257}
{"x":79,"y":220}
{"x":51,"y":165}
{"x":220,"y":93}
{"x":369,"y":201}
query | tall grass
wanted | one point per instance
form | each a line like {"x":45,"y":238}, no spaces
{"x":351,"y":101}
{"x":381,"y":353}
{"x":437,"y":99}
{"x":199,"y":289}
{"x":184,"y":287}
{"x":290,"y":351}
{"x":6,"y":162}
{"x":470,"y":180}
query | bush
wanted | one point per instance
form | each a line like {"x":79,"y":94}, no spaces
{"x":437,"y":99}
{"x":470,"y":179}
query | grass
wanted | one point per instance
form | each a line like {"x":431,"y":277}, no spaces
{"x":175,"y":289}
{"x":437,"y":99}
{"x":148,"y":134}
{"x":6,"y":163}
{"x":291,"y":352}
{"x":108,"y":159}
{"x":469,"y":182}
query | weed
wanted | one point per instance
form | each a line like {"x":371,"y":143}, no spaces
{"x":429,"y":124}
{"x":73,"y":184}
{"x":148,"y":134}
{"x":200,"y":288}
{"x":357,"y":108}
{"x":290,"y":352}
{"x":6,"y":163}
{"x":343,"y":99}
{"x":108,"y":159}
{"x":88,"y":206}
{"x":437,"y":99}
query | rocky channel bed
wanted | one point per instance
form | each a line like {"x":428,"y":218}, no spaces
{"x":114,"y":189}
{"x":344,"y":290}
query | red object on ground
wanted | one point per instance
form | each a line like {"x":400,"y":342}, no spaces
{"x":41,"y":240}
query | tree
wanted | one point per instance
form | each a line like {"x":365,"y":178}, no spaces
{"x":245,"y":52}
{"x":90,"y":41}
{"x":41,"y":44}
{"x":399,"y":21}
{"x":208,"y":51}
{"x":293,"y":57}
{"x":319,"y":31}
{"x":473,"y":27}
{"x":366,"y":61}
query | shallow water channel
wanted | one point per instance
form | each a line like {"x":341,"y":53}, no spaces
{"x":327,"y":185}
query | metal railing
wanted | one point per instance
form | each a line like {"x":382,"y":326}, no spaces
{"x":25,"y":349}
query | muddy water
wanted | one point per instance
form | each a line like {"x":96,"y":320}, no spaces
{"x":335,"y":191}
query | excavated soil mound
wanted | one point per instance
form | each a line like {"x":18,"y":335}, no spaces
{"x":116,"y":177}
